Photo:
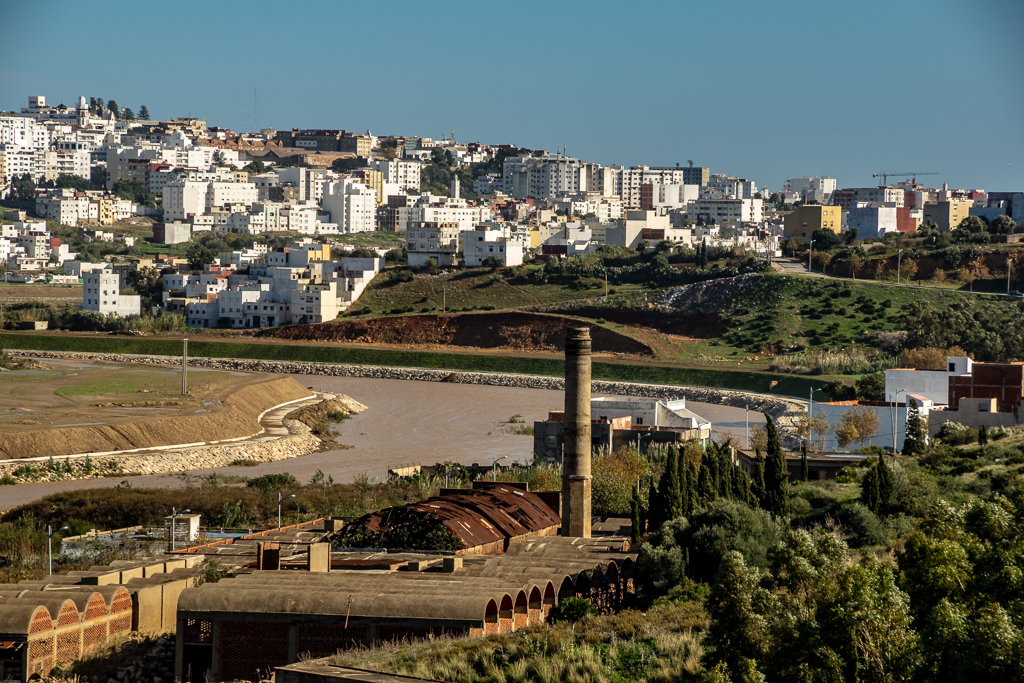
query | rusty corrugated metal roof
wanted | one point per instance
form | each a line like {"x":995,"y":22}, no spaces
{"x":480,"y":516}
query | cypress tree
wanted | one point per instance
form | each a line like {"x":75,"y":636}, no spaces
{"x":686,"y":493}
{"x":672,"y":486}
{"x":884,"y":485}
{"x":757,"y":486}
{"x":982,"y":435}
{"x":914,"y":441}
{"x":634,"y":505}
{"x":737,"y":484}
{"x":705,"y":487}
{"x":805,"y":471}
{"x":724,"y":474}
{"x":776,"y":475}
{"x":869,"y":493}
{"x":655,"y":508}
{"x":692,"y":498}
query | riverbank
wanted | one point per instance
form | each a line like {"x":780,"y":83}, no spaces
{"x":776,"y":406}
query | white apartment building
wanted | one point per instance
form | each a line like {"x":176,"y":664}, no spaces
{"x":428,"y":209}
{"x":404,"y":173}
{"x":102,"y":293}
{"x":814,"y":189}
{"x":308,"y":181}
{"x":669,"y":196}
{"x":352,"y":206}
{"x":546,"y":177}
{"x":481,"y":244}
{"x":231,"y":194}
{"x":315,"y":303}
{"x":300,"y":218}
{"x":57,"y":163}
{"x":431,"y":240}
{"x":24,"y":132}
{"x":184,"y":198}
{"x":727,"y":210}
{"x":17,"y":161}
{"x":245,"y":223}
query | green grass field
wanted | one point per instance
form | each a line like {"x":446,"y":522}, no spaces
{"x":470,"y":289}
{"x":628,"y":372}
{"x":390,"y":240}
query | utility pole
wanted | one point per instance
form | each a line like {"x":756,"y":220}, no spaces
{"x":899,"y":262}
{"x":184,"y":367}
{"x":606,"y":282}
{"x":746,"y":425}
{"x":1009,"y":265}
{"x":444,"y":299}
{"x":810,"y":250}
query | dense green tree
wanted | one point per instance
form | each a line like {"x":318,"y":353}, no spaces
{"x":963,"y":570}
{"x":776,"y":474}
{"x":113,"y":108}
{"x":705,"y":486}
{"x":127,"y":114}
{"x":144,"y":113}
{"x":218,"y":158}
{"x":872,"y":387}
{"x":73,"y":181}
{"x":813,"y":616}
{"x":636,"y":515}
{"x":982,"y":435}
{"x":98,"y":177}
{"x":255,"y":166}
{"x":24,"y":187}
{"x":824,"y":239}
{"x":199,"y":256}
{"x":1002,"y":225}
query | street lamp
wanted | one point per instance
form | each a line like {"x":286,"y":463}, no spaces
{"x":810,"y":415}
{"x":638,"y":438}
{"x":746,"y":424}
{"x":281,"y":499}
{"x":892,"y":416}
{"x":174,"y":516}
{"x":50,"y":531}
{"x":494,"y":467}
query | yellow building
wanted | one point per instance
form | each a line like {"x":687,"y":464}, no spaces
{"x":947,"y":215}
{"x":373,"y":180}
{"x":806,"y":219}
{"x":105,"y":211}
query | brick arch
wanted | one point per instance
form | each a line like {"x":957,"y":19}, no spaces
{"x":505,"y":614}
{"x":96,"y":608}
{"x":68,"y":615}
{"x":491,"y":617}
{"x":120,"y":613}
{"x":521,"y":610}
{"x":535,"y":609}
{"x":95,"y":623}
{"x":41,"y":621}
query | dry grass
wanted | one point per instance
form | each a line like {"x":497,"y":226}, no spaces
{"x":660,"y":645}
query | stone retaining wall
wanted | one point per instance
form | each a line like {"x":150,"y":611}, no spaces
{"x":300,"y":441}
{"x":777,"y":407}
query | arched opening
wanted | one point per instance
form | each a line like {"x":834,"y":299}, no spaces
{"x":567,"y":589}
{"x":521,"y":611}
{"x":491,"y":617}
{"x":505,"y":614}
{"x":612,"y":582}
{"x":536,"y":606}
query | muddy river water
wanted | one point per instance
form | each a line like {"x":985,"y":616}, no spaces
{"x":407,"y":423}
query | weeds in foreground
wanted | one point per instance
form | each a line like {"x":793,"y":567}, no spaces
{"x":662,"y":644}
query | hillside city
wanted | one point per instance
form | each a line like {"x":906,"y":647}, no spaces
{"x":314,"y":404}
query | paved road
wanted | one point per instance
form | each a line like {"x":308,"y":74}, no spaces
{"x":406,"y":423}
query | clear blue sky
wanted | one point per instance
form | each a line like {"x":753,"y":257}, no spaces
{"x":765,"y":90}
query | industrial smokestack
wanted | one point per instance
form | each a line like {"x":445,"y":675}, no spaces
{"x":576,"y":451}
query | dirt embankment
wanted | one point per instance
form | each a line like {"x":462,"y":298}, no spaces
{"x":236,"y":417}
{"x":515,"y":331}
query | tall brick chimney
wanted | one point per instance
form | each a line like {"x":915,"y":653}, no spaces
{"x":576,"y":451}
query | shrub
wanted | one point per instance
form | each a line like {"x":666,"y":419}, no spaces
{"x":270,"y":482}
{"x":863,"y":527}
{"x":572,"y":610}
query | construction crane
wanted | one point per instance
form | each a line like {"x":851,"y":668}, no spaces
{"x":885,"y":175}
